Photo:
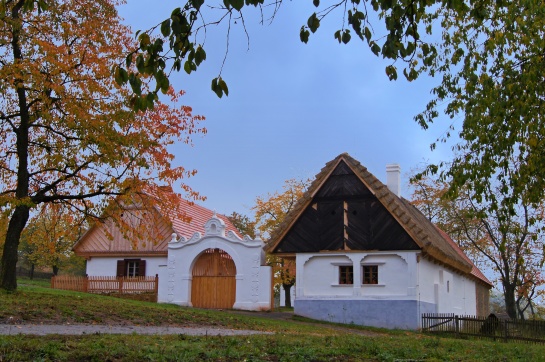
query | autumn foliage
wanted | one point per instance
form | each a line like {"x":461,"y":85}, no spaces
{"x":270,"y":211}
{"x":509,"y":244}
{"x":50,"y":235}
{"x":68,"y":133}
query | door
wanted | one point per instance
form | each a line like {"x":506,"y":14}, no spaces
{"x":214,"y":282}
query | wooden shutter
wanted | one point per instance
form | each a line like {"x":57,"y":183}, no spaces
{"x":121,"y":268}
{"x":142,"y":268}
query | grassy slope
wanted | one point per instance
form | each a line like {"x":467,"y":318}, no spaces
{"x":292,"y":341}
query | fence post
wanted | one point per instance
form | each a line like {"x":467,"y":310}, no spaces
{"x":457,"y":326}
{"x":156,"y":288}
{"x":86,"y":283}
{"x":506,"y":331}
{"x":53,"y":282}
{"x":120,"y":285}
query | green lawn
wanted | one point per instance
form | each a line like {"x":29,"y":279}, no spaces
{"x":293,"y":340}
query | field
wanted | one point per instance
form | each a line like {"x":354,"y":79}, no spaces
{"x":294,"y":339}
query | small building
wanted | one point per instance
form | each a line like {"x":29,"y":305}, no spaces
{"x":199,"y":256}
{"x":365,"y":255}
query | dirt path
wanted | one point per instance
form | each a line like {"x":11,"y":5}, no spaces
{"x":80,"y":329}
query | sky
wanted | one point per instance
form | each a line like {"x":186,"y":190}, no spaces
{"x":292,"y":107}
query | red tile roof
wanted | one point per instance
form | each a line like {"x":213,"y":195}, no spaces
{"x":190,"y":218}
{"x":186,"y":217}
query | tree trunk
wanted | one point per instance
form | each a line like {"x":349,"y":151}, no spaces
{"x":510,"y":304}
{"x":8,"y":267}
{"x":55,"y":270}
{"x":19,"y":218}
{"x":287,"y":294}
{"x":31,"y":274}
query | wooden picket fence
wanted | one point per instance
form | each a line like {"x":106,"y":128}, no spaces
{"x":107,"y":284}
{"x":489,"y":327}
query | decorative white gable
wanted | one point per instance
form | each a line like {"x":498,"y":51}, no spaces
{"x":253,"y":277}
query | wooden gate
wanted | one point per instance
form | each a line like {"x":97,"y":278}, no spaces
{"x":214,"y":282}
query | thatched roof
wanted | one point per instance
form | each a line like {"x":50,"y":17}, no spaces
{"x":432,"y":241}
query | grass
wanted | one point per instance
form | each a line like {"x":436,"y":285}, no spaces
{"x":296,"y":339}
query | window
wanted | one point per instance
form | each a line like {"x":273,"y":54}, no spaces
{"x":346,"y":274}
{"x":131,"y":268}
{"x":370,"y":274}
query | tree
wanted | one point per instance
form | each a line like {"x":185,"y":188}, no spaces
{"x":68,"y":133}
{"x":185,"y":33}
{"x":491,"y":61}
{"x":243,"y":224}
{"x":510,"y":244}
{"x":488,"y":53}
{"x":50,"y":235}
{"x":270,"y":211}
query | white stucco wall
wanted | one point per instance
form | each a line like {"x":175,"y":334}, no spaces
{"x":408,"y":285}
{"x":253,"y":278}
{"x":451,"y":292}
{"x":318,"y":275}
{"x":107,"y":266}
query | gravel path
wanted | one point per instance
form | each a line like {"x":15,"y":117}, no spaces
{"x":81,"y":329}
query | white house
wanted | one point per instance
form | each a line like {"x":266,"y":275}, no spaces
{"x":199,"y":256}
{"x":365,"y":255}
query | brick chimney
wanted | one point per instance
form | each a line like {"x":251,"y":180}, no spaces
{"x":393,"y":178}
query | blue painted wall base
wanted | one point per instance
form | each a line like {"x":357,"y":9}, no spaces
{"x":400,"y":314}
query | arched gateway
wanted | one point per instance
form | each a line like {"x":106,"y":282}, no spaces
{"x":217,"y":270}
{"x":214,"y":283}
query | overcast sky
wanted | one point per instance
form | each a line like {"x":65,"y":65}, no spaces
{"x":292,"y":107}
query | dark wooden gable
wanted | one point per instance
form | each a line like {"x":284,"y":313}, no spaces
{"x":345,"y":215}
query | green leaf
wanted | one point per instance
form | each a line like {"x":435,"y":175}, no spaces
{"x":219,"y":87}
{"x":136,"y":84}
{"x":197,"y":4}
{"x":176,"y":25}
{"x":338,"y":36}
{"x":367,"y":34}
{"x":223,"y":86}
{"x":136,"y":103}
{"x":375,"y":48}
{"x":117,"y":76}
{"x":187,"y":67}
{"x":346,"y":36}
{"x":200,"y":55}
{"x":140,"y":63}
{"x":144,"y":40}
{"x":237,"y":4}
{"x":313,"y":23}
{"x":216,"y":88}
{"x":165,"y":28}
{"x":304,"y":34}
{"x":150,"y":100}
{"x":177,"y":65}
{"x":162,"y":81}
{"x":391,"y":72}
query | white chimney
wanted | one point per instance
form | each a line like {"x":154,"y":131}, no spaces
{"x":393,"y":178}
